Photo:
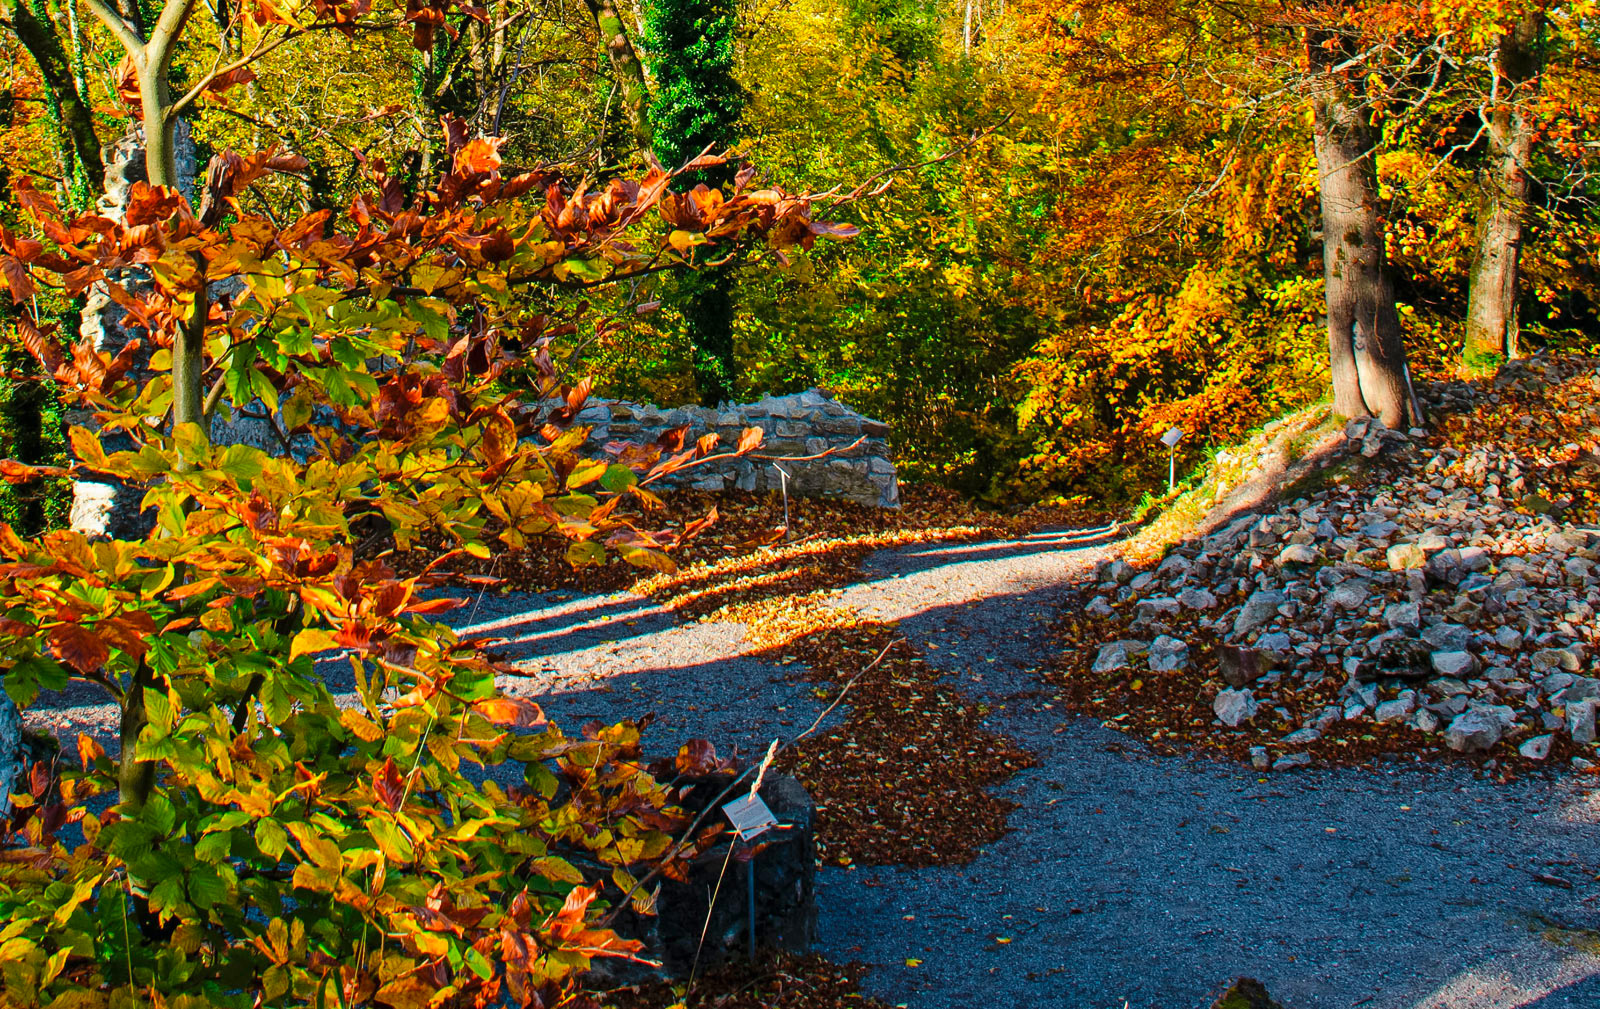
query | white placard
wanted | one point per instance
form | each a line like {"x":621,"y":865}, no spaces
{"x":1170,"y":439}
{"x":750,"y":817}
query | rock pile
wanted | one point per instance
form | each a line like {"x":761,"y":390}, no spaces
{"x":1442,"y":594}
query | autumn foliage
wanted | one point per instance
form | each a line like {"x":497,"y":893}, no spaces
{"x":323,"y":794}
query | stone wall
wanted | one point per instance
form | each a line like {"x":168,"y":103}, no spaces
{"x":806,"y":424}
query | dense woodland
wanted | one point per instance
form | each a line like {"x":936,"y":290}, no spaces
{"x":1031,"y":236}
{"x":1102,"y":219}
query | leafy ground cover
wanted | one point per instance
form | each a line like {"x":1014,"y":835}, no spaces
{"x":784,"y":982}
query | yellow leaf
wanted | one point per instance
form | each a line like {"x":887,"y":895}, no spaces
{"x":310,"y":641}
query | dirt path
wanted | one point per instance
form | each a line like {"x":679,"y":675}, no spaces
{"x":1128,"y":879}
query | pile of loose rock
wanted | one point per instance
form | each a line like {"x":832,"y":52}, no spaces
{"x":1443,"y":595}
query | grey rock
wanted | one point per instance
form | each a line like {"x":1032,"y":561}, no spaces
{"x":1099,"y":606}
{"x":1168,"y":654}
{"x":1447,"y":637}
{"x":1260,"y":759}
{"x":1118,"y":655}
{"x":1508,"y":639}
{"x":1149,"y":609}
{"x":1403,"y":616}
{"x":1403,"y":556}
{"x":1300,"y":554}
{"x":1580,"y":720}
{"x":1116,"y":570}
{"x":1235,"y":707}
{"x":1548,"y":659}
{"x":1473,"y":730}
{"x":1427,"y":721}
{"x":1397,"y":710}
{"x":1351,"y":595}
{"x":1259,"y":609}
{"x":1537,"y":748}
{"x":1301,"y":737}
{"x":1196,"y":598}
{"x":1292,"y":761}
{"x":1457,"y":664}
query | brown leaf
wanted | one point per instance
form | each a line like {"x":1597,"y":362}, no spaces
{"x":79,"y":647}
{"x":388,"y":786}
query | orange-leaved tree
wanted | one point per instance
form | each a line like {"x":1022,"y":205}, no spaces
{"x":294,"y":821}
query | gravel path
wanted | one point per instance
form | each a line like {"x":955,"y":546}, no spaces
{"x":1129,"y":879}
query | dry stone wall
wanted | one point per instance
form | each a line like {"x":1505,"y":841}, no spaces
{"x":833,"y":451}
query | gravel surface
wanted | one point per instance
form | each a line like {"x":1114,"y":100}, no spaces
{"x":1129,"y":880}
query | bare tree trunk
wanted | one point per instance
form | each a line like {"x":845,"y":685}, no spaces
{"x":626,"y":65}
{"x":966,"y":31}
{"x":1366,"y":349}
{"x":1502,"y":209}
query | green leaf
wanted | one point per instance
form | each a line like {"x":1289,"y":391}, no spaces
{"x":271,"y":838}
{"x":583,"y":552}
{"x":618,"y":478}
{"x":213,"y":848}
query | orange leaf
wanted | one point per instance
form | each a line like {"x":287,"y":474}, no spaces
{"x":79,"y":647}
{"x":511,"y":711}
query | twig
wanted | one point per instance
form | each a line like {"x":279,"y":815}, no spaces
{"x":810,"y":458}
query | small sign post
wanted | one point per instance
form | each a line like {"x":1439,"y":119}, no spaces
{"x":751,"y":817}
{"x":1170,"y":439}
{"x":783,"y":476}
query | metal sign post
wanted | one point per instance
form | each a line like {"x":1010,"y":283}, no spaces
{"x":1170,"y":439}
{"x":784,"y":478}
{"x":751,"y":817}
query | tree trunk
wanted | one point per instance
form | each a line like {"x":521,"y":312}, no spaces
{"x":1502,"y":208}
{"x":626,"y":65}
{"x":1366,"y":349}
{"x":77,"y":134}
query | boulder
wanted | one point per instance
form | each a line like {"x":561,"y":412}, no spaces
{"x":1235,"y":707}
{"x":1404,"y":556}
{"x":1241,"y":666}
{"x":1258,"y":610}
{"x":1537,"y":748}
{"x":1474,"y":730}
{"x":1118,"y":655}
{"x":1168,"y":654}
{"x":1580,"y":720}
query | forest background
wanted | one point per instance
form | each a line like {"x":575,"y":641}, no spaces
{"x":1103,"y":220}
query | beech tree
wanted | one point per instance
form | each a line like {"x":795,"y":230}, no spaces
{"x":1506,"y":181}
{"x":1366,"y":347}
